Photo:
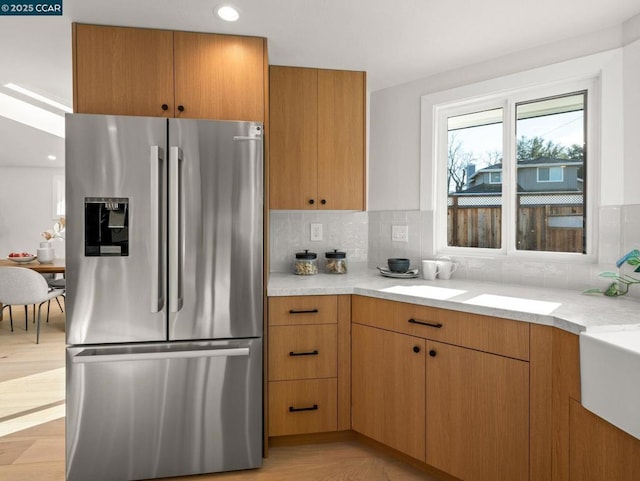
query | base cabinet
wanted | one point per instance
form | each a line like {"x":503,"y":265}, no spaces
{"x":308,"y":369}
{"x":388,"y":388}
{"x":477,"y":414}
{"x":600,"y":451}
{"x":458,"y":408}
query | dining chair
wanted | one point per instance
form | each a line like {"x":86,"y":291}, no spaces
{"x":55,"y":283}
{"x":20,"y":286}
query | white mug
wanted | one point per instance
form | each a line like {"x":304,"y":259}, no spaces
{"x":446,"y":268}
{"x":430,"y":269}
{"x":45,"y":255}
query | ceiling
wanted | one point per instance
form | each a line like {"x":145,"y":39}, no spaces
{"x":395,"y":42}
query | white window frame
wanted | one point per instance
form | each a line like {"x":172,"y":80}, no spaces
{"x":560,"y":169}
{"x":508,"y":100}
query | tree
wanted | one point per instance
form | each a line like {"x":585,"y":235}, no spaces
{"x":536,"y":147}
{"x":458,"y":164}
{"x":460,"y":161}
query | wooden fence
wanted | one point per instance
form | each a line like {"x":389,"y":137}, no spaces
{"x":539,"y":227}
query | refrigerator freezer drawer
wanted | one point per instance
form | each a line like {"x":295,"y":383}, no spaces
{"x":160,"y":410}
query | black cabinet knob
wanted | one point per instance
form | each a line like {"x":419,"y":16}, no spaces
{"x":311,"y":201}
{"x":433,"y":353}
{"x":181,"y":108}
{"x":165,"y":107}
{"x":323,"y":201}
{"x":416,"y":348}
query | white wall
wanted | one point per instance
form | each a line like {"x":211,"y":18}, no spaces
{"x":26,"y":208}
{"x":395,"y":123}
{"x":401,"y":168}
{"x":631,"y":90}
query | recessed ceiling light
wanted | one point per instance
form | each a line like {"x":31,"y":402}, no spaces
{"x":40,"y":98}
{"x":228,"y":13}
{"x":51,"y":157}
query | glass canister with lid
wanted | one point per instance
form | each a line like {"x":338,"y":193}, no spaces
{"x":335,"y":262}
{"x":306,"y":263}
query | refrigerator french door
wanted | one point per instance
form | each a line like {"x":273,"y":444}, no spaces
{"x":164,"y":296}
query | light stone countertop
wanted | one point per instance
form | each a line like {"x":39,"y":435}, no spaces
{"x":562,"y":308}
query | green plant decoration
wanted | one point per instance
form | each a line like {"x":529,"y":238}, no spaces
{"x":621,"y":281}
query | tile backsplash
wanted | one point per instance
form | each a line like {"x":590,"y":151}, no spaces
{"x":366,"y":238}
{"x":290,"y":233}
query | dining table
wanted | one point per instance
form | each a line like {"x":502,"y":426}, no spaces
{"x":57,"y":266}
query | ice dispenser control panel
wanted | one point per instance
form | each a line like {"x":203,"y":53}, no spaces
{"x":106,"y":226}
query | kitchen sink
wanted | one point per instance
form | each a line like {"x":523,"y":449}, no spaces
{"x":610,"y":375}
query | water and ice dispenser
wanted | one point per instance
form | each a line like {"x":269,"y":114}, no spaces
{"x":106,"y":226}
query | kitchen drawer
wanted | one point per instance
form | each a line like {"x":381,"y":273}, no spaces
{"x":303,"y":352}
{"x":484,"y":333}
{"x":297,"y":310}
{"x":300,"y":407}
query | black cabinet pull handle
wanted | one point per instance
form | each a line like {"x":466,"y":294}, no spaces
{"x":311,"y":201}
{"x":433,"y":353}
{"x":309,"y":353}
{"x":296,"y":410}
{"x":165,"y":107}
{"x":181,"y":108}
{"x":416,"y":349}
{"x":437,"y":325}
{"x":323,"y":201}
{"x":303,"y":311}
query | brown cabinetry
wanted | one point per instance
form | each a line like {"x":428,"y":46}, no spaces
{"x":465,"y":410}
{"x":477,"y":414}
{"x":388,"y":388}
{"x":599,"y":450}
{"x":306,"y":385}
{"x":317,"y":144}
{"x":148,"y":72}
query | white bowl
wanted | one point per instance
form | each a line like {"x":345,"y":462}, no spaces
{"x":21,"y":260}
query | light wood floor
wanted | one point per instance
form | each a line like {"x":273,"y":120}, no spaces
{"x":29,"y":372}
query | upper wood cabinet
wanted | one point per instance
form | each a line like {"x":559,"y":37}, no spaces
{"x":317,"y":142}
{"x":219,"y":76}
{"x":147,"y":72}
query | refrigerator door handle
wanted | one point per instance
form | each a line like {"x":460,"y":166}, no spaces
{"x":174,"y":229}
{"x":88,"y":356}
{"x":247,"y":137}
{"x":157,"y":155}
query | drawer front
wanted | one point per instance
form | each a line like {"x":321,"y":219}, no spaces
{"x":499,"y":336}
{"x":298,"y":310}
{"x":300,"y":407}
{"x":303,"y":352}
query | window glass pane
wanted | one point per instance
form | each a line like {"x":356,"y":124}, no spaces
{"x":474,"y":173}
{"x":551,"y":163}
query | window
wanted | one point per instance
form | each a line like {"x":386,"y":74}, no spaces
{"x":495,"y":177}
{"x":550,"y":174}
{"x":516,"y":169}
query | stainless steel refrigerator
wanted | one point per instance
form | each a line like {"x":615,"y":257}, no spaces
{"x":164,"y":296}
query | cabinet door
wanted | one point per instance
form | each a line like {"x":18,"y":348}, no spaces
{"x":123,"y":71}
{"x":293,"y":145}
{"x":477,"y":414}
{"x":341,"y":140}
{"x":219,"y":76}
{"x":388,"y":388}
